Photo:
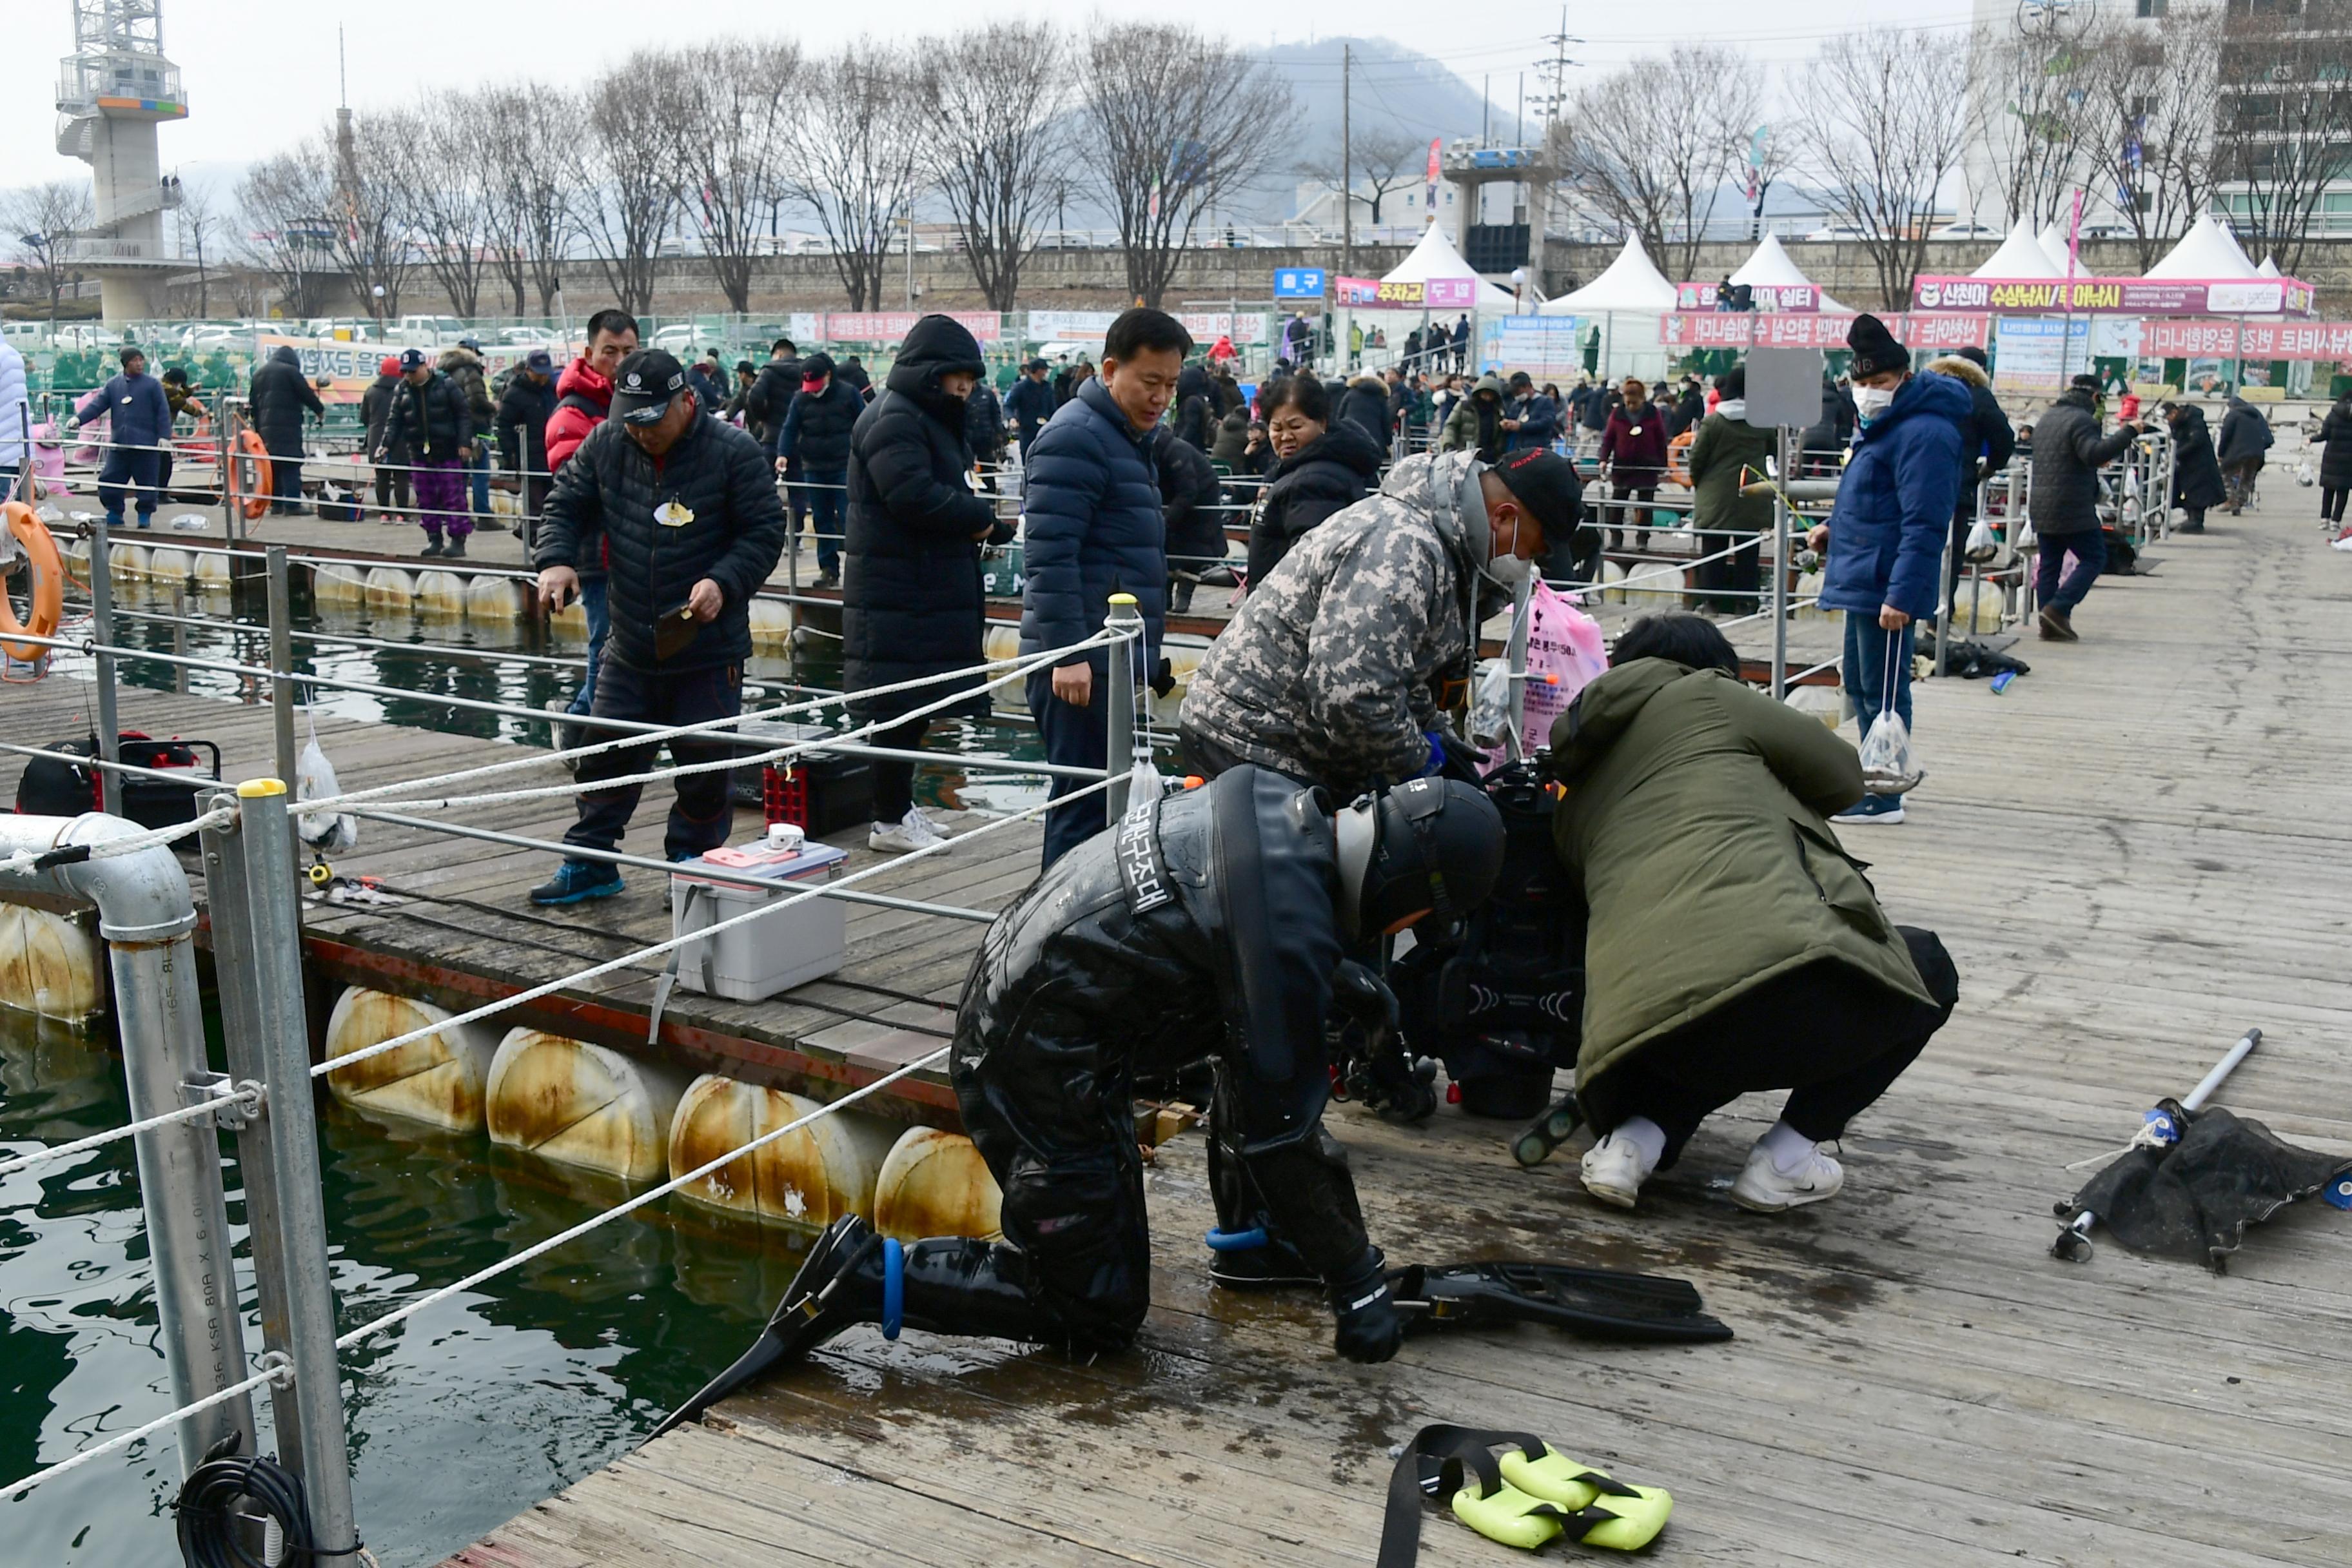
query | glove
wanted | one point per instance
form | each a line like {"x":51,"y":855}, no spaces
{"x":1369,"y":1328}
{"x":1163,"y":679}
{"x":1435,"y":761}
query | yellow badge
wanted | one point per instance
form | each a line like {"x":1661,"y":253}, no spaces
{"x":670,"y":514}
{"x":1633,"y":430}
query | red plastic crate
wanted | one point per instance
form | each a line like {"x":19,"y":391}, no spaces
{"x":785,"y":795}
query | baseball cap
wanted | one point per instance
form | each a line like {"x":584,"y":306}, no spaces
{"x":539,"y":359}
{"x":814,"y":369}
{"x":645,"y":385}
{"x":1038,"y":363}
{"x":410,"y":359}
{"x":1547,"y":485}
{"x":473,"y":343}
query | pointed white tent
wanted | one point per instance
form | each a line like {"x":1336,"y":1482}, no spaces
{"x":1629,"y":284}
{"x":1435,"y":257}
{"x":1772,"y":266}
{"x":2052,"y":241}
{"x":2020,"y":255}
{"x":2270,"y":267}
{"x":2207,"y":250}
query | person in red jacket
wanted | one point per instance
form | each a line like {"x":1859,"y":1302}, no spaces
{"x":1632,"y":457}
{"x":584,"y":393}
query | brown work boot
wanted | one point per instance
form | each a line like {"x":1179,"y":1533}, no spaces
{"x":2057,"y":625}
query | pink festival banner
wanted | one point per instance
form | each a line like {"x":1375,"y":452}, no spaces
{"x":889,"y":326}
{"x":2117,"y":296}
{"x":1766,"y":296}
{"x":2321,"y":341}
{"x":1744,"y":329}
{"x":1436,"y":294}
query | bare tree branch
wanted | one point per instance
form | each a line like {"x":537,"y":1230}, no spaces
{"x":283,"y":201}
{"x":200,"y":228}
{"x":50,"y":214}
{"x":444,"y":194}
{"x":1876,"y":132}
{"x":528,"y":199}
{"x":1384,"y":160}
{"x":999,"y":142}
{"x":732,"y":146}
{"x":2150,"y":109}
{"x":628,"y":176}
{"x":857,"y":159}
{"x":1660,"y":177}
{"x":2282,"y":125}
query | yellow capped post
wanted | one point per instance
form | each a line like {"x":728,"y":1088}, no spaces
{"x":258,"y":789}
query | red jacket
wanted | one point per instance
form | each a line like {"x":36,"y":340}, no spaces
{"x":1633,"y":459}
{"x":583,"y":397}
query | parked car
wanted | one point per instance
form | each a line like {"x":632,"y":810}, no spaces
{"x":431,"y":331}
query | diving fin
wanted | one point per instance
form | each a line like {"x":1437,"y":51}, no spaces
{"x":813,"y":1310}
{"x":1598,"y":1303}
{"x":1547,"y":1132}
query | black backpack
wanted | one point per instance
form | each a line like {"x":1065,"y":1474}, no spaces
{"x":51,"y":786}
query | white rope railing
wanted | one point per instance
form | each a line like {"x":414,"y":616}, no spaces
{"x":247,"y":1098}
{"x":121,"y":1440}
{"x":110,"y":848}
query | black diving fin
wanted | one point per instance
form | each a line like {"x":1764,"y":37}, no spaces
{"x":1547,"y":1132}
{"x":815,"y":1307}
{"x":1596,"y":1303}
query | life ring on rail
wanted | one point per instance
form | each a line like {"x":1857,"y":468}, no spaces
{"x":1678,"y":458}
{"x":49,"y":595}
{"x":246,"y":472}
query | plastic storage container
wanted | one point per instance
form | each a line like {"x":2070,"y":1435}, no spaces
{"x":754,"y":961}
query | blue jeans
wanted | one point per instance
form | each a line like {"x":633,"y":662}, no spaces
{"x":2089,"y":549}
{"x":600,"y":626}
{"x":481,"y":472}
{"x":828,"y":503}
{"x":1865,"y":668}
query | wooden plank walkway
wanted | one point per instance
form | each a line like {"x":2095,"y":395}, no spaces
{"x":2135,"y":853}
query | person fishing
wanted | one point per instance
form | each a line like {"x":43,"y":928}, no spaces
{"x":1211,"y":921}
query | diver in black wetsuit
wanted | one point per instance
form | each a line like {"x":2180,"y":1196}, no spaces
{"x":1211,"y":924}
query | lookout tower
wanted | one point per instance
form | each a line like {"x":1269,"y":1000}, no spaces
{"x":112,"y":92}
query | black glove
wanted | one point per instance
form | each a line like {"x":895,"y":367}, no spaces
{"x":1375,"y":1066}
{"x":1370,"y":1328}
{"x":1459,"y":759}
{"x":1163,"y":679}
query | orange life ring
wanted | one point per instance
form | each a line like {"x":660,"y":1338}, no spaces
{"x":48,"y":594}
{"x":246,"y":472}
{"x":1677,"y":458}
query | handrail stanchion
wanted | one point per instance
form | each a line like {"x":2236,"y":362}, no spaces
{"x":275,"y":964}
{"x":1125,"y":661}
{"x":282,"y":661}
{"x":1780,"y":570}
{"x":1516,"y":653}
{"x":179,"y":634}
{"x":101,"y":626}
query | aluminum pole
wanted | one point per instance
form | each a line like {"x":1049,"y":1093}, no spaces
{"x":1125,"y":657}
{"x":1781,"y":572}
{"x":282,"y":661}
{"x":101,"y":626}
{"x":266,"y":835}
{"x":180,"y":635}
{"x":1515,"y":653}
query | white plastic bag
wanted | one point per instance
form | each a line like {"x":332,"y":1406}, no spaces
{"x":314,"y":779}
{"x":1887,"y":765}
{"x":1983,"y":546}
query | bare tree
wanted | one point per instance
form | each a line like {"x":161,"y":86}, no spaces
{"x":283,"y":200}
{"x":200,"y":230}
{"x":998,"y":147}
{"x":528,"y":198}
{"x":443,"y":191}
{"x":2150,"y":106}
{"x":2283,"y":125}
{"x":731,"y":149}
{"x":1659,"y":177}
{"x":857,"y":160}
{"x":40,"y":220}
{"x":627,"y":175}
{"x":367,"y":207}
{"x":1175,"y":123}
{"x":1874,"y":137}
{"x":1384,"y":160}
{"x":2036,"y":121}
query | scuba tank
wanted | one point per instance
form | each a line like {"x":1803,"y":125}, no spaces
{"x":1501,"y":1005}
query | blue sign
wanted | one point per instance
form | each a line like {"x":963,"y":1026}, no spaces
{"x":1299,"y":282}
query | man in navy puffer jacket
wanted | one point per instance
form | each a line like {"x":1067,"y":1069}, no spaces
{"x":1091,"y":528}
{"x":141,"y":427}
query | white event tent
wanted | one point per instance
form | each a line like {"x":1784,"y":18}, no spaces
{"x":2020,"y":255}
{"x":2207,"y":250}
{"x":1629,"y":284}
{"x":1772,"y":266}
{"x":2053,"y":240}
{"x":1435,"y":258}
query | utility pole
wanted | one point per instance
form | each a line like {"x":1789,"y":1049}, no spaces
{"x":1347,"y":171}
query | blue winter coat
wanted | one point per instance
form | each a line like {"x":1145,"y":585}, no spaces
{"x":142,"y":415}
{"x":1539,"y":419}
{"x":1895,"y":504}
{"x":1091,"y":526}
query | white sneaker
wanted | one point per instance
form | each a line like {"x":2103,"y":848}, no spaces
{"x":1614,"y":1170}
{"x":911,"y":832}
{"x":1765,"y":1188}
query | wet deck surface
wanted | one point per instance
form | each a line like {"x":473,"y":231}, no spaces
{"x":2135,"y":854}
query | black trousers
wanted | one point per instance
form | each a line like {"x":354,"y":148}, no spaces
{"x":390,"y":481}
{"x":704,"y":810}
{"x":2331,"y":504}
{"x":894,"y":783}
{"x":1736,"y":580}
{"x":1832,"y":1036}
{"x":1074,"y":737}
{"x":285,"y":483}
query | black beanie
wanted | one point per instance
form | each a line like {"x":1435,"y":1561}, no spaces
{"x":1874,"y":348}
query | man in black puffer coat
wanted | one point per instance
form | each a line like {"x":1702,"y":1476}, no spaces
{"x":2196,"y":485}
{"x":280,"y":398}
{"x":688,"y":508}
{"x":2245,"y":436}
{"x":813,"y":451}
{"x":2063,"y":504}
{"x":911,"y":603}
{"x":1192,"y":507}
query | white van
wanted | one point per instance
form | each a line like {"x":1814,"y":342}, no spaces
{"x":430,"y":332}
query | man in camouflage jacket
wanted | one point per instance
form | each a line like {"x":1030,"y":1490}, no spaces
{"x":1332,"y":671}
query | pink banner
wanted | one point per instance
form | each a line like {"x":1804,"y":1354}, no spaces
{"x":1436,"y":294}
{"x":1743,"y":330}
{"x":1762,"y":295}
{"x":2323,"y":340}
{"x":889,"y":326}
{"x":2117,"y":296}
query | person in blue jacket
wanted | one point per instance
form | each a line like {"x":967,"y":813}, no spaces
{"x":1092,"y":527}
{"x":140,"y":428}
{"x":1886,"y":536}
{"x":1533,"y":420}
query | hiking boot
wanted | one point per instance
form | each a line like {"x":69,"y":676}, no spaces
{"x":576,"y":882}
{"x":1613,"y":1171}
{"x":1870,"y":808}
{"x":2057,"y":625}
{"x":1763,"y":1187}
{"x":431,"y":546}
{"x":911,"y":832}
{"x":455,"y":550}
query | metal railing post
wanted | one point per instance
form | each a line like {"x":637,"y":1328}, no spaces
{"x":1126,"y":657}
{"x":1781,"y":570}
{"x":180,"y":635}
{"x":101,"y":626}
{"x":1516,"y":653}
{"x":275,"y":966}
{"x":282,"y":661}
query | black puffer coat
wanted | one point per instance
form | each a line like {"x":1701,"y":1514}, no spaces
{"x":816,"y":432}
{"x":1196,"y":408}
{"x":431,"y":421}
{"x":1331,"y":473}
{"x":910,"y":579}
{"x":375,"y":408}
{"x":1190,"y":499}
{"x":2068,"y":453}
{"x":2336,"y":461}
{"x":1834,"y":432}
{"x":1365,"y":404}
{"x":772,"y":391}
{"x":2245,"y":434}
{"x":2196,"y":473}
{"x":983,"y":422}
{"x":732,"y":535}
{"x":280,"y":397}
{"x":524,"y":411}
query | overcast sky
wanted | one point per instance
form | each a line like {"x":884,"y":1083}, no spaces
{"x":259,"y":73}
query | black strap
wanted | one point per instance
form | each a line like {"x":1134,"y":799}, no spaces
{"x":1441,"y":1459}
{"x":1142,"y":870}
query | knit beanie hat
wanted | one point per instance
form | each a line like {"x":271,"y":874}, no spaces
{"x":1874,"y":348}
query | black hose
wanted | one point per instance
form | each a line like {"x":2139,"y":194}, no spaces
{"x":215,"y":1501}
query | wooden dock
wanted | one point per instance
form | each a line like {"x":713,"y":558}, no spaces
{"x":2135,"y":853}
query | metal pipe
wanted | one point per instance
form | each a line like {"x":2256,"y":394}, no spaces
{"x":1119,"y":707}
{"x":101,"y":620}
{"x":1781,"y":570}
{"x":148,"y":916}
{"x":1515,"y":652}
{"x":267,"y":836}
{"x":180,"y":635}
{"x":281,"y":663}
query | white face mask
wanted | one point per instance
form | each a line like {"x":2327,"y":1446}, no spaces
{"x":1870,"y":402}
{"x":1506,"y":569}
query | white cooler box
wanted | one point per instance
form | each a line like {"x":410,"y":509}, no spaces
{"x":756,"y":959}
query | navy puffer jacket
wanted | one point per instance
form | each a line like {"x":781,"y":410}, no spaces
{"x":816,"y":427}
{"x":1894,"y":503}
{"x":733,"y":534}
{"x":1092,"y":526}
{"x":280,"y":396}
{"x":910,"y":583}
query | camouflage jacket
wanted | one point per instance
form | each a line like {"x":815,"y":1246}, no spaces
{"x":1328,"y":671}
